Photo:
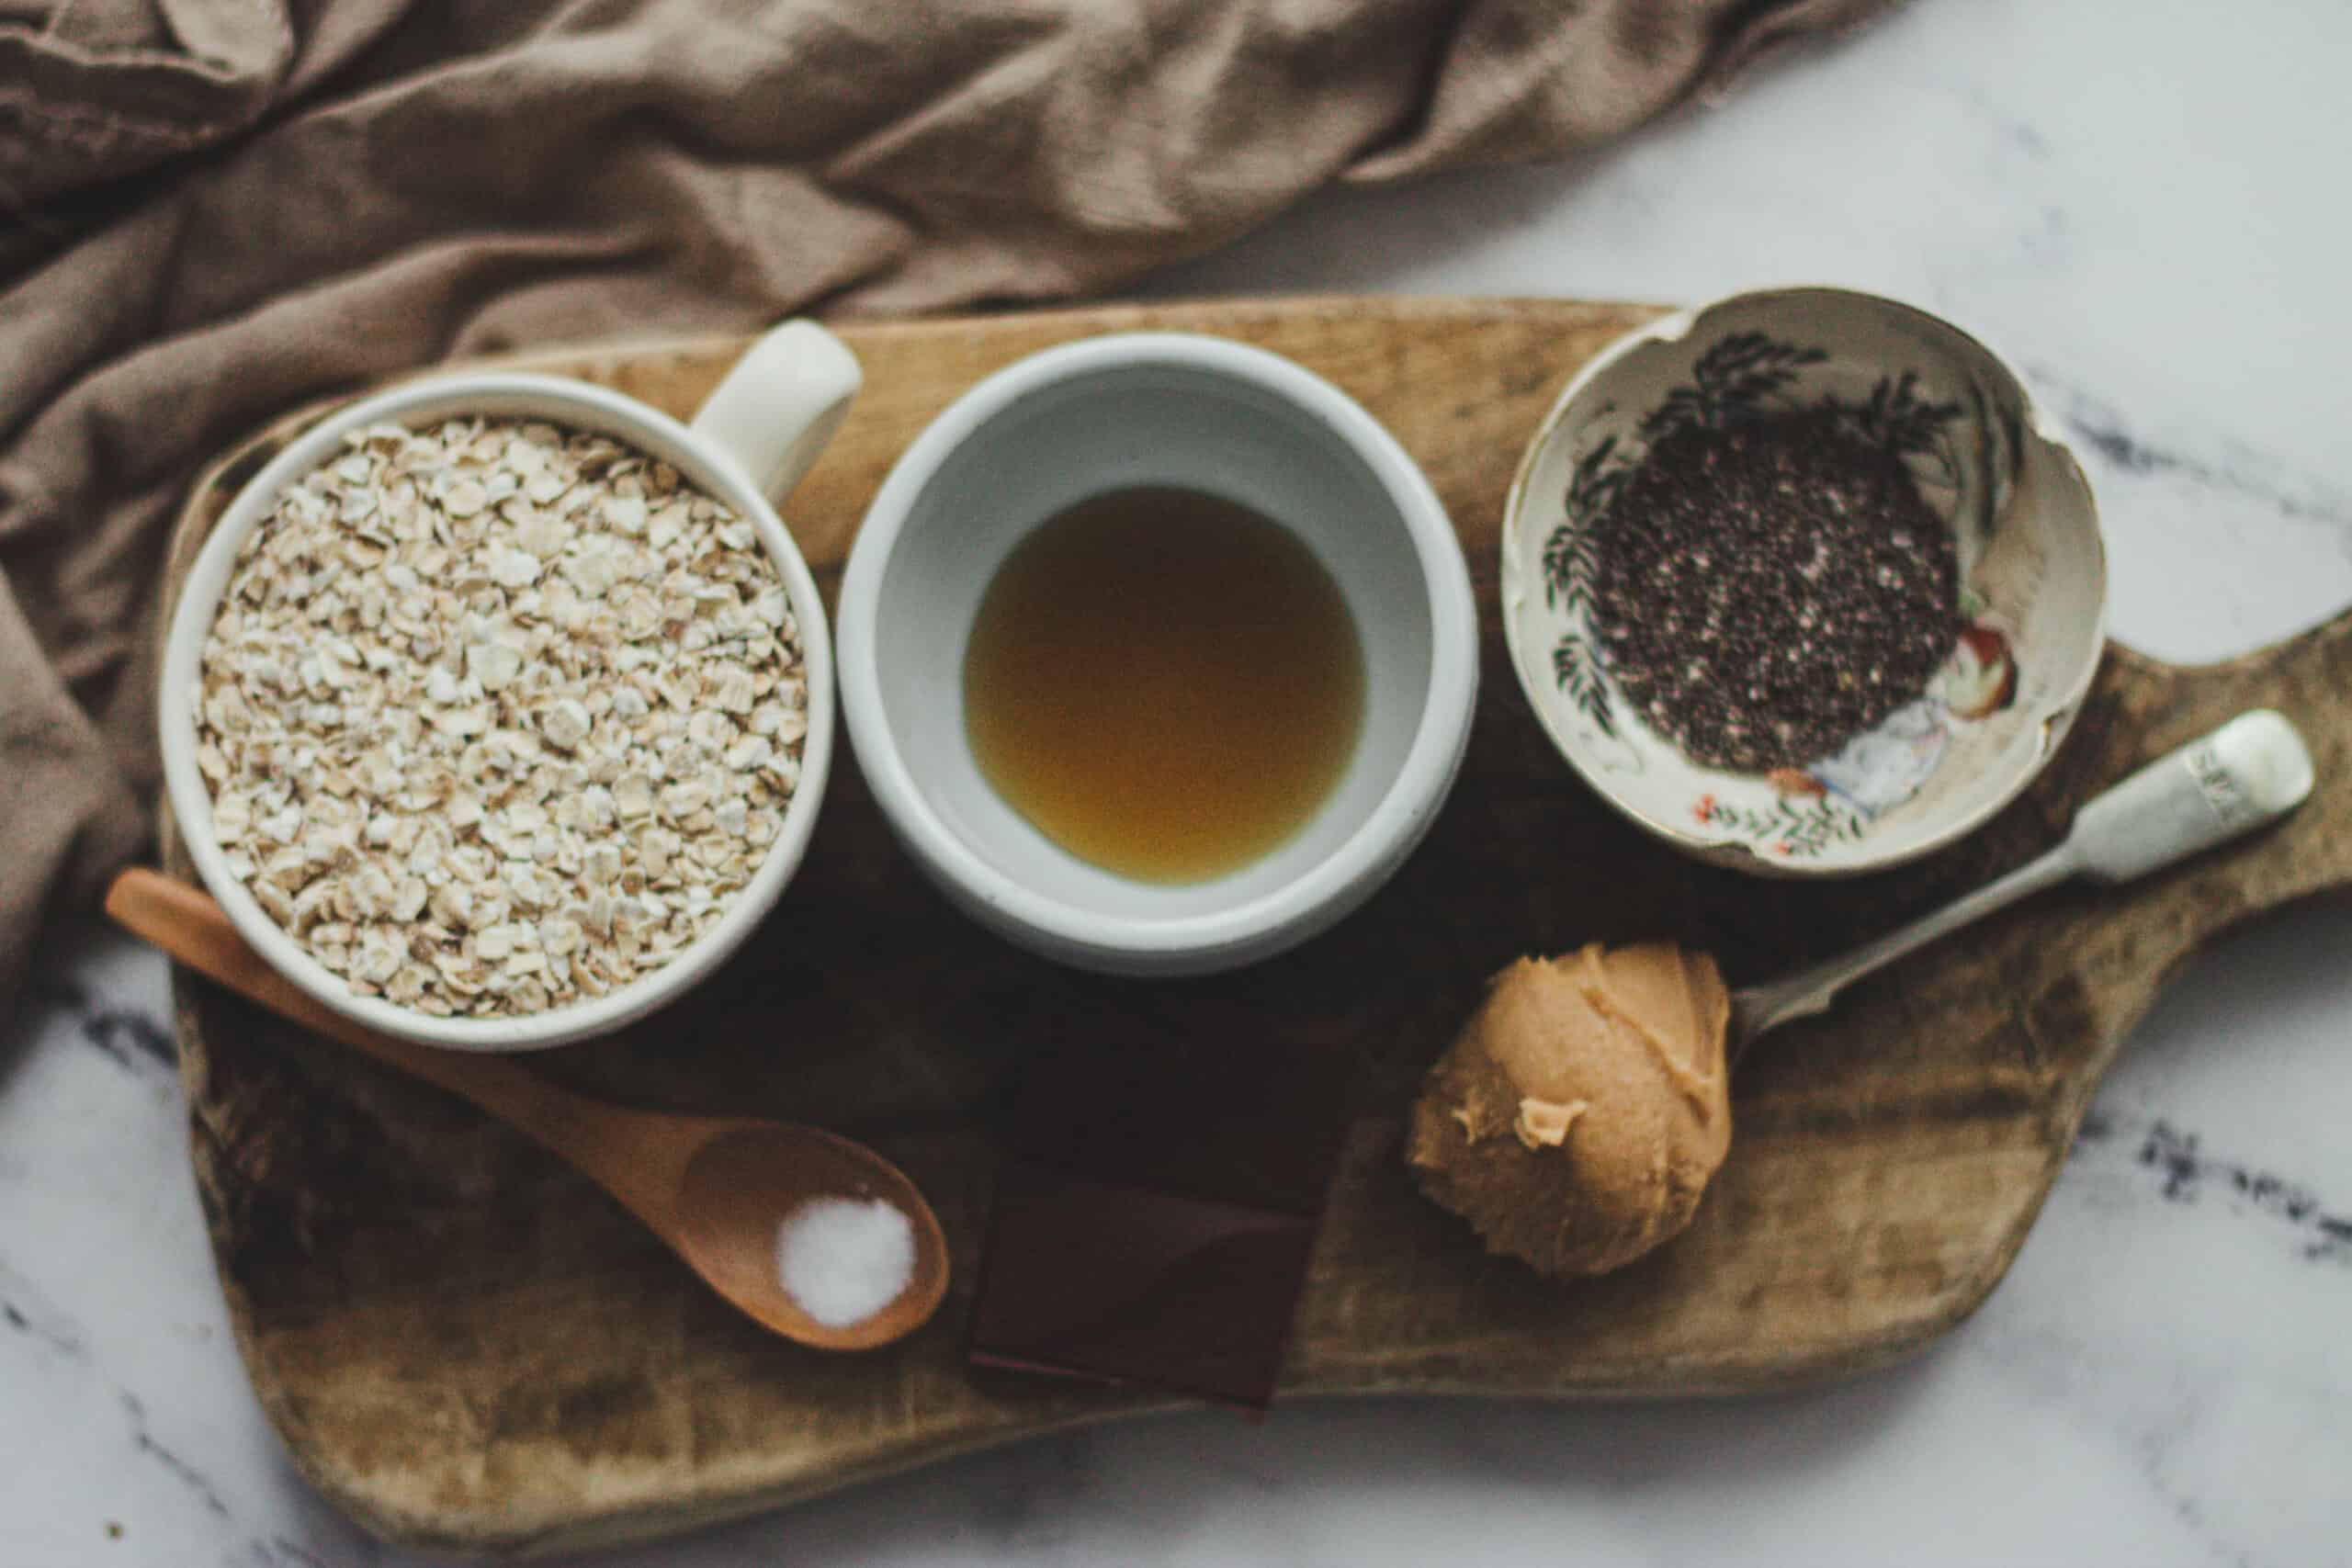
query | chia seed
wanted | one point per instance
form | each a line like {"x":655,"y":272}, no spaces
{"x":1766,"y":592}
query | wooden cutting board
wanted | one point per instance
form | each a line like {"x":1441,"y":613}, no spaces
{"x":467,"y":1347}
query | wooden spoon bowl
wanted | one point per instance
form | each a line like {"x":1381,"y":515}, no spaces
{"x":746,"y":1175}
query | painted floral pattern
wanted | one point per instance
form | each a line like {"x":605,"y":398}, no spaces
{"x":1793,"y":825}
{"x":1832,"y":801}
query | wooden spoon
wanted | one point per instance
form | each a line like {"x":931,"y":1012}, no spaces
{"x":715,"y":1189}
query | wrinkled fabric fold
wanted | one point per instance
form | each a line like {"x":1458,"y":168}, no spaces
{"x":212,"y":209}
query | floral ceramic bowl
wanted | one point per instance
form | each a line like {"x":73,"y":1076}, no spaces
{"x":2032,"y":575}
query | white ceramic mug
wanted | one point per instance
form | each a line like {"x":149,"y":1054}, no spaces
{"x":1154,"y":409}
{"x":752,"y":438}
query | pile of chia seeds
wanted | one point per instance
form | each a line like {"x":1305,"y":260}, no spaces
{"x":1768,"y":590}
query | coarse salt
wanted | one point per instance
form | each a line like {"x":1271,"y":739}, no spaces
{"x":843,"y":1259}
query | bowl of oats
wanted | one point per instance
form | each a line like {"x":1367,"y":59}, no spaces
{"x":498,"y":709}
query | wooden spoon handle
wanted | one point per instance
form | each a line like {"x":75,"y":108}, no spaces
{"x":193,"y":929}
{"x":627,"y":1152}
{"x":186,"y":924}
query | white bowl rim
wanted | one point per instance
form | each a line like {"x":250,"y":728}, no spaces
{"x":1414,"y":793}
{"x":2054,"y":720}
{"x":534,"y":397}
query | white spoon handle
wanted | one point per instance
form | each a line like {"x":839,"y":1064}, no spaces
{"x":2252,"y":770}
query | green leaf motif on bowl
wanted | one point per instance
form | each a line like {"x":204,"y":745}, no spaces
{"x":1577,"y":670}
{"x":1794,"y":827}
{"x":1570,"y":565}
{"x":1737,"y":374}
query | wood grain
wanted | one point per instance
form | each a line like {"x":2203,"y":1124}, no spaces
{"x":467,"y":1346}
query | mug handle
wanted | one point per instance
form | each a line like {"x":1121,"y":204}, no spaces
{"x":781,"y":404}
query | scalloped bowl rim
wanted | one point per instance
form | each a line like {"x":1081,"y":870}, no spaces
{"x":2051,"y":720}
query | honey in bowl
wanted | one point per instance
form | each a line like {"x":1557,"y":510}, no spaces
{"x":1164,"y":682}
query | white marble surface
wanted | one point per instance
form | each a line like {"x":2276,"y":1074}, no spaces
{"x":2139,"y":203}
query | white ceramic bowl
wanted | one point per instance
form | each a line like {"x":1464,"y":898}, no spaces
{"x":1139,"y":409}
{"x":2033,"y":575}
{"x":753,"y":437}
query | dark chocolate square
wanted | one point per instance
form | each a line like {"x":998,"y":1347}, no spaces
{"x":1154,"y":1214}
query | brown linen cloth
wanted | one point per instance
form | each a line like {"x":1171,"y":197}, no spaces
{"x":211,"y":210}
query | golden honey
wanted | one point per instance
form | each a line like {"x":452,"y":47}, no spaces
{"x":1164,"y":682}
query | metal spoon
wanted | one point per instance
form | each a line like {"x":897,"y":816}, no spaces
{"x":715,"y":1189}
{"x":2251,"y":771}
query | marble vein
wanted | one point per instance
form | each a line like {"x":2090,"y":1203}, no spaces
{"x":130,"y":1036}
{"x":2104,"y":427}
{"x":25,"y":1311}
{"x":186,"y":1474}
{"x":2184,"y":1172}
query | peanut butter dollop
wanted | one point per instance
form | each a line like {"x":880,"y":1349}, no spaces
{"x":1577,"y":1118}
